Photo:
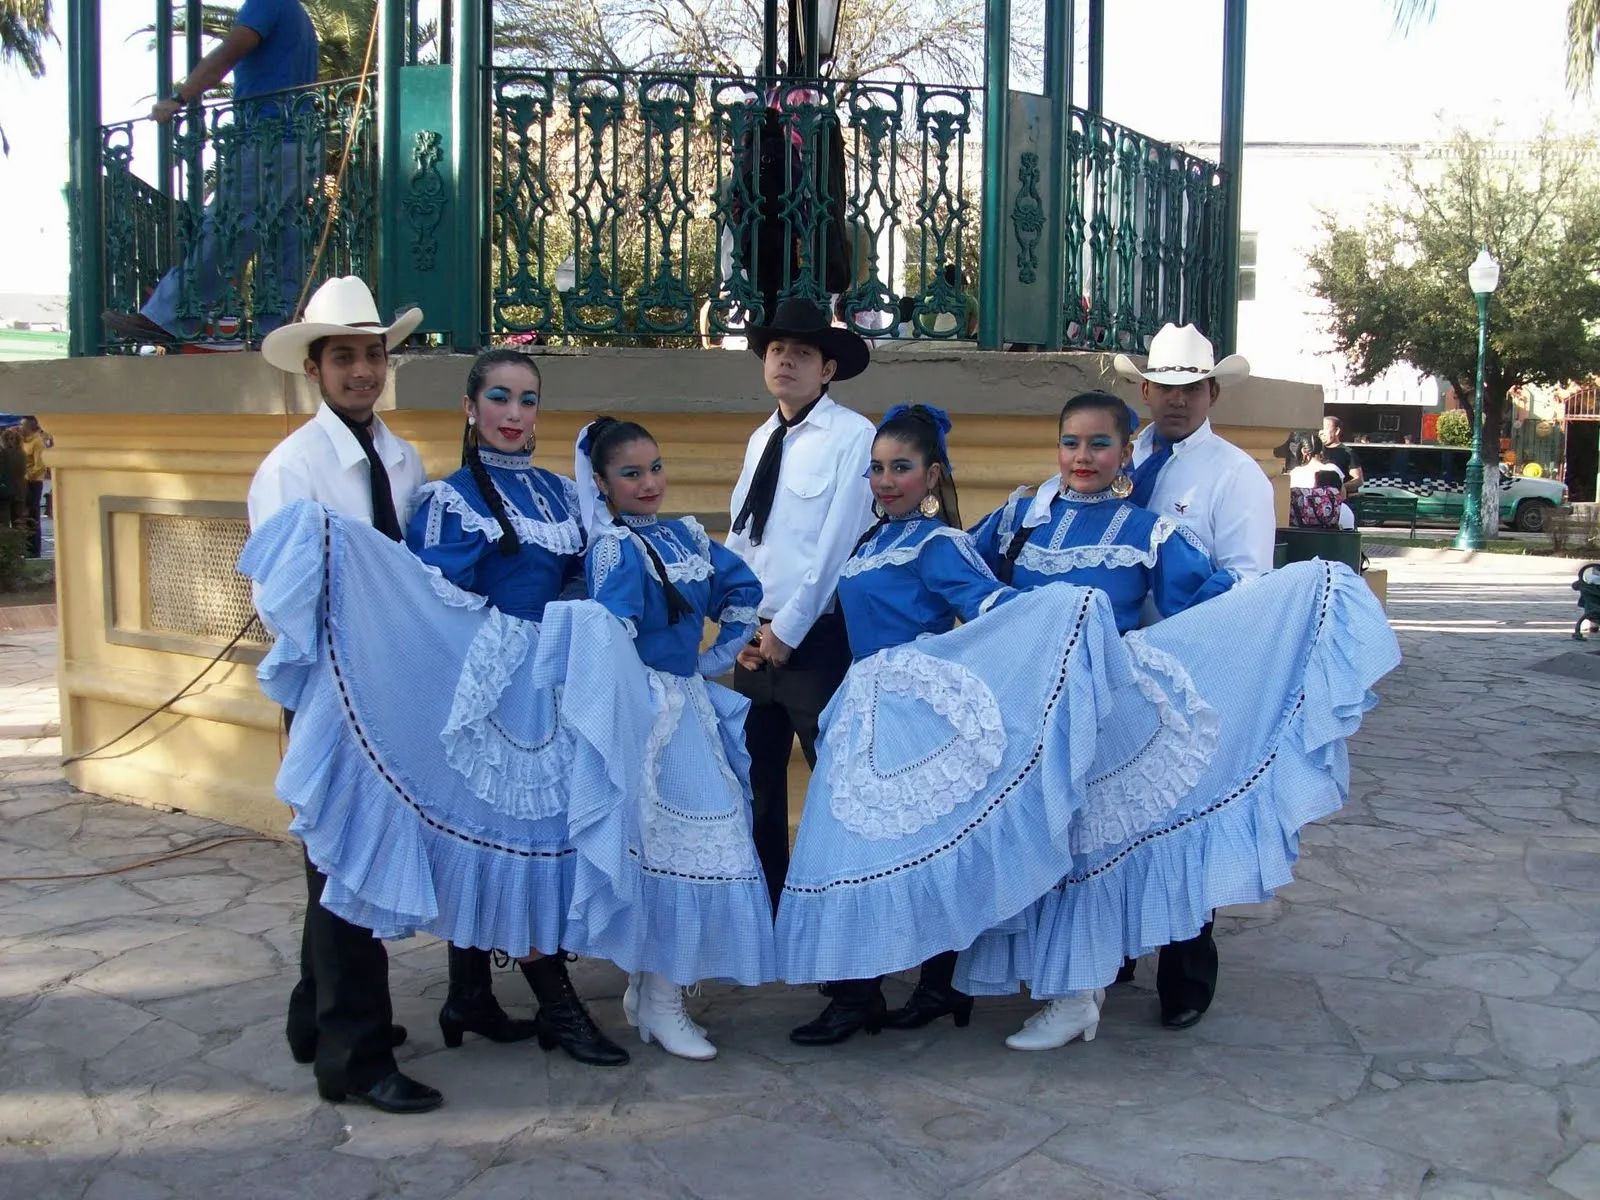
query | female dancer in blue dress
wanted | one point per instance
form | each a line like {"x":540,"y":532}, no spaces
{"x":668,"y":877}
{"x":1134,"y":776}
{"x":1079,"y":527}
{"x":509,"y":531}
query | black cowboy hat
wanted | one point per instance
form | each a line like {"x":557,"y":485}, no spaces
{"x":803,"y":321}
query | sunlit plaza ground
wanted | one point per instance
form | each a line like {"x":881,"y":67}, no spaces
{"x":1416,"y":1016}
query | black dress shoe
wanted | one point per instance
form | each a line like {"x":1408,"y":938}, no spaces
{"x":1183,"y":1018}
{"x":305,"y":1051}
{"x":857,"y":1005}
{"x":1126,"y":972}
{"x":394,"y":1093}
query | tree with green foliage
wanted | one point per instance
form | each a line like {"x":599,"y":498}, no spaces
{"x":25,"y":30}
{"x":1396,"y":283}
{"x":1455,"y":428}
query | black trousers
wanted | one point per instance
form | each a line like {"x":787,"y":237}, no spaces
{"x":342,"y":1000}
{"x":785,"y":703}
{"x":1186,"y":974}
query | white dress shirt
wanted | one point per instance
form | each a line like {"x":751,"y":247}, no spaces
{"x":1221,"y":494}
{"x":323,"y":461}
{"x":823,"y":505}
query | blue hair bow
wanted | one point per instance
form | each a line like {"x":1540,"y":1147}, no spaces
{"x":1133,"y":420}
{"x":940,"y":419}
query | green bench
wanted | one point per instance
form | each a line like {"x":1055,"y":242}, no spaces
{"x":1375,"y":510}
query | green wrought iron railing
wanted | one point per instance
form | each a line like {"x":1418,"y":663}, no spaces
{"x":221,"y":252}
{"x":667,"y":207}
{"x":664,"y":209}
{"x":1145,"y":238}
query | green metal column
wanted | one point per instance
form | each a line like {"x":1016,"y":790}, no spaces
{"x":392,"y":165}
{"x":469,"y":121}
{"x":1097,"y":57}
{"x":1058,"y":23}
{"x":769,"y":39}
{"x":193,"y":26}
{"x":1225,"y":335}
{"x":87,"y":289}
{"x":164,"y":89}
{"x":996,"y":88}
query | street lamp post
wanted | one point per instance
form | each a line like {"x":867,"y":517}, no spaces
{"x":1483,"y":276}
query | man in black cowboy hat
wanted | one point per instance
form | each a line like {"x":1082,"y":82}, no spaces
{"x":801,"y":503}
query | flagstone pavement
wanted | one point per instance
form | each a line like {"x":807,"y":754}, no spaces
{"x":1416,"y":1016}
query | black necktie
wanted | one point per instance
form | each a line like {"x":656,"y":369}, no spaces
{"x":384,"y":518}
{"x":764,"y":483}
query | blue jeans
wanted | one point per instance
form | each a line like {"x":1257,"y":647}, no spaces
{"x":262,"y":189}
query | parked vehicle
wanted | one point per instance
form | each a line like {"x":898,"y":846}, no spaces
{"x":1436,"y":476}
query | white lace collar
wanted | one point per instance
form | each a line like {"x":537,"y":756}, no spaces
{"x":637,"y":520}
{"x":506,"y":462}
{"x":1039,"y":509}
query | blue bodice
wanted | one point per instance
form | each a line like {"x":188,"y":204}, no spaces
{"x":911,"y":577}
{"x":454,"y":530}
{"x":1101,"y":542}
{"x":713,"y":579}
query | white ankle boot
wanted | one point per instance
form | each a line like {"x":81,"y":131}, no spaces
{"x":661,"y":1018}
{"x":1060,"y":1021}
{"x":630,"y":1003}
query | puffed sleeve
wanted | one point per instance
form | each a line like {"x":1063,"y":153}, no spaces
{"x":614,"y":572}
{"x":993,"y":534}
{"x":735,"y":599}
{"x":436,"y":536}
{"x":1184,"y":574}
{"x":951,"y":568}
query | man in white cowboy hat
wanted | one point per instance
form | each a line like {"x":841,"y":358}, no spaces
{"x":800,"y":504}
{"x":1183,"y":470}
{"x":340,"y":1016}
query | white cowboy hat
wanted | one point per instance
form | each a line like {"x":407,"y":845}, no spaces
{"x":1180,"y":354}
{"x":342,"y":307}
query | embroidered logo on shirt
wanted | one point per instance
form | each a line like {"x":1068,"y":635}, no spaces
{"x":1180,"y":508}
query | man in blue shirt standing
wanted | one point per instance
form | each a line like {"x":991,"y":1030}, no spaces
{"x":265,"y":176}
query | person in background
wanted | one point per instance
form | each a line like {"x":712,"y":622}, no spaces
{"x":1340,"y":455}
{"x":34,"y":443}
{"x":270,"y":47}
{"x":13,"y":481}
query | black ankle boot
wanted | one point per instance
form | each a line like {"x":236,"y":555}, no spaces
{"x":471,"y":1007}
{"x":562,"y":1020}
{"x":933,"y":997}
{"x":855,"y":1004}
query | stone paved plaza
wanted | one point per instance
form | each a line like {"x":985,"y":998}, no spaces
{"x":1416,"y":1016}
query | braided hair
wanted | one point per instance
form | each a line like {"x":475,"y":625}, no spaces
{"x":481,"y":366}
{"x":924,"y":428}
{"x":607,"y":436}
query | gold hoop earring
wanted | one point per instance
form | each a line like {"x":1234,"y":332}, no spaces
{"x":929,"y":506}
{"x":1122,"y":487}
{"x":531,"y":444}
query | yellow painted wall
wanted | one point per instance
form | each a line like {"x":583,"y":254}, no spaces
{"x":217,"y":751}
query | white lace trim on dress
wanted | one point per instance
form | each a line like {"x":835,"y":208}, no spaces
{"x":521,"y":773}
{"x":680,"y":842}
{"x":1044,"y":561}
{"x":558,"y":536}
{"x":881,"y":805}
{"x":1143,"y":790}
